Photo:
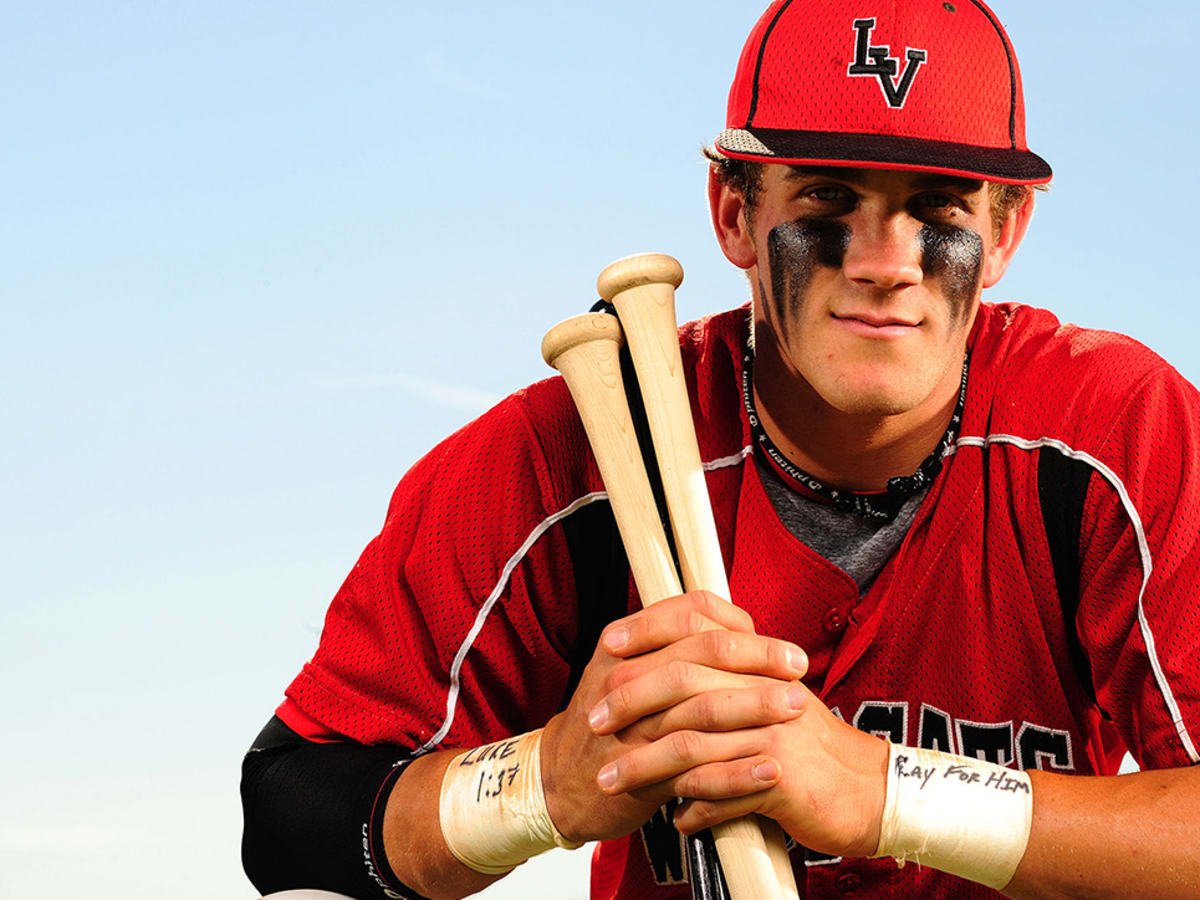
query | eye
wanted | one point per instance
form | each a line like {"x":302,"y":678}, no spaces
{"x":828,"y":199}
{"x":939,"y":204}
{"x":828,"y":193}
{"x":935,"y":200}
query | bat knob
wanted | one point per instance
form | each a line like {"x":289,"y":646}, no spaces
{"x":579,"y":330}
{"x":634,"y":271}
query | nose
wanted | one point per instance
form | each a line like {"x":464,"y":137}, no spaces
{"x":883,"y":253}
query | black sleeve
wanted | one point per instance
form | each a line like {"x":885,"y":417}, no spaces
{"x":314,"y":815}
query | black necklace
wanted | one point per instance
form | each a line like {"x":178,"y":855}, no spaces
{"x":883,"y":504}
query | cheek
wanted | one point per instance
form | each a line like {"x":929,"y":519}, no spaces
{"x":954,"y":257}
{"x":794,"y":251}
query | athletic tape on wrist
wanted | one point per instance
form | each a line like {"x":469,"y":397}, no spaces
{"x":493,"y":809}
{"x":956,"y":814}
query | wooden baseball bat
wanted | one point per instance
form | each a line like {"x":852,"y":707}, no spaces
{"x":642,"y":289}
{"x":586,"y":350}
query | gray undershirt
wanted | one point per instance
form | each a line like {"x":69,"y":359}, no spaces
{"x":855,"y":544}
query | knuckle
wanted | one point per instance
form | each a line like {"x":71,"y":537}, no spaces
{"x":631,"y":768}
{"x":771,"y":702}
{"x":621,"y":699}
{"x":679,"y":675}
{"x":707,"y":712}
{"x":703,"y":811}
{"x":684,"y":745}
{"x":690,"y":622}
{"x":717,"y":645}
{"x":615,"y":677}
{"x":705,"y":602}
{"x":743,"y":617}
{"x":686,"y":785}
{"x":724,"y":779}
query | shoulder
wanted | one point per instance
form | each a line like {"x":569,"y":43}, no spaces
{"x":526,"y":456}
{"x":1040,"y":378}
{"x":713,"y":349}
{"x":534,"y":438}
{"x":1020,"y":339}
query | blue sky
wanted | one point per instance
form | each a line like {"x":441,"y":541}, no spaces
{"x":259,"y":256}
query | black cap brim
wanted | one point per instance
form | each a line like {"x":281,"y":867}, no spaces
{"x":1000,"y":164}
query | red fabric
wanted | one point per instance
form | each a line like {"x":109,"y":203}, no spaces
{"x":924,"y":85}
{"x":799,"y":52}
{"x":964,"y":622}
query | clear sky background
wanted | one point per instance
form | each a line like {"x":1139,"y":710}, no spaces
{"x":257,"y":257}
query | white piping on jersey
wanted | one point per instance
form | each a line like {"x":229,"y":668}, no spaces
{"x":506,"y":573}
{"x":1143,"y":549}
{"x":733,"y":459}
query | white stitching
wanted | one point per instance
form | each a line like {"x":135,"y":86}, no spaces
{"x":477,"y":626}
{"x":1143,"y":549}
{"x":505,"y":573}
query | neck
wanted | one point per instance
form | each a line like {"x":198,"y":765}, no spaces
{"x":847,"y":450}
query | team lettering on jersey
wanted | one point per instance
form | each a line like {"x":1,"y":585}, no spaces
{"x":1027,"y":745}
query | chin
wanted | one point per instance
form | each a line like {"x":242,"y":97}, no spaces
{"x":887,"y":397}
{"x":873,"y":405}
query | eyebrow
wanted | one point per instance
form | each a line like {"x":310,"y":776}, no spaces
{"x":857,"y":175}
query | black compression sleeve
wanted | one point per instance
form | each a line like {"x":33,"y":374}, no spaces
{"x":314,"y":815}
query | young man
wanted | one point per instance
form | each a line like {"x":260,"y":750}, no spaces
{"x":962,"y":540}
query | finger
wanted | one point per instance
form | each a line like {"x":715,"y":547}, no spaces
{"x":658,"y":689}
{"x":675,"y":754}
{"x":656,"y":681}
{"x":715,"y":781}
{"x":731,"y":651}
{"x":721,"y":781}
{"x":728,"y":710}
{"x":668,"y":621}
{"x":696,"y":815}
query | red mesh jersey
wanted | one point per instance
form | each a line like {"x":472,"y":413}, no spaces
{"x":1040,"y":613}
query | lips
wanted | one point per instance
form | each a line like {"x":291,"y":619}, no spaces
{"x":877,"y":320}
{"x":876,"y":326}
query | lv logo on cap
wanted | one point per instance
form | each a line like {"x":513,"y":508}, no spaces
{"x":883,"y":65}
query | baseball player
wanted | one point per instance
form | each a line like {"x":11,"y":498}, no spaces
{"x":962,"y":540}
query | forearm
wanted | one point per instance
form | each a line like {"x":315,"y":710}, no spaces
{"x":1121,"y":836}
{"x":412,"y":834}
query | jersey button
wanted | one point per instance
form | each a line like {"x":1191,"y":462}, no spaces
{"x":849,"y":882}
{"x":835,"y":621}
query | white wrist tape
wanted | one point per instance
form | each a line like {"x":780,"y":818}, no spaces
{"x":493,"y":809}
{"x":956,"y":814}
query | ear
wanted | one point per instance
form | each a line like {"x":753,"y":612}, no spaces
{"x":1011,"y":233}
{"x":729,"y":222}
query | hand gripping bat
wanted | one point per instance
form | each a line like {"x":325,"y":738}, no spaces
{"x":586,"y":349}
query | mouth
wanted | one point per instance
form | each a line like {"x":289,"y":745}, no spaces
{"x":877,"y":326}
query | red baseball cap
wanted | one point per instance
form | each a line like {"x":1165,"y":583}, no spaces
{"x":923,"y":85}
